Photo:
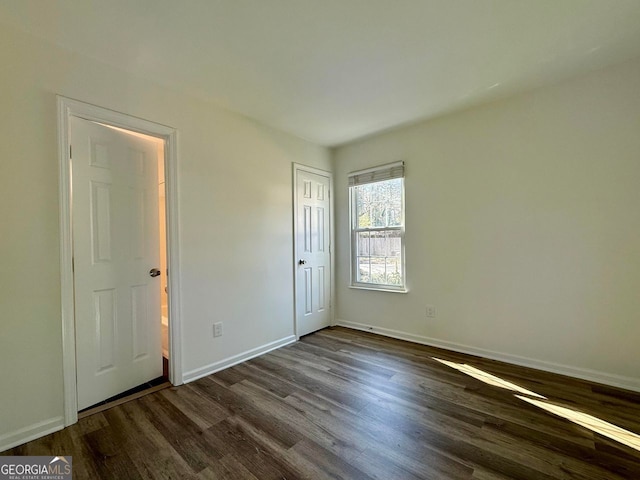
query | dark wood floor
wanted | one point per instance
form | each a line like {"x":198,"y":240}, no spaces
{"x":346,"y":404}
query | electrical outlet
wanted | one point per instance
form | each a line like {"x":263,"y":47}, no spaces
{"x":431,"y":311}
{"x":217,"y":329}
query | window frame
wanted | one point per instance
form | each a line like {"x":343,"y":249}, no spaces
{"x":354,"y":230}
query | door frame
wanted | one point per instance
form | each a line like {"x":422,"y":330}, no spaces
{"x":68,"y":108}
{"x":297,"y":167}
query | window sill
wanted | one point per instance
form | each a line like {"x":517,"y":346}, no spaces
{"x":379,"y":289}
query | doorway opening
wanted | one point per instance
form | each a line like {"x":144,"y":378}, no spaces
{"x":161,"y":381}
{"x":122,"y":172}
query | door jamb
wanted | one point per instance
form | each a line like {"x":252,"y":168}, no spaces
{"x":297,"y":167}
{"x":68,"y":108}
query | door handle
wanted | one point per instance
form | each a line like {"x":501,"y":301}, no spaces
{"x":301,"y":262}
{"x":154,"y":272}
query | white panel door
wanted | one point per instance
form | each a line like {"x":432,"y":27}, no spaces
{"x":313,"y":259}
{"x":115,"y":247}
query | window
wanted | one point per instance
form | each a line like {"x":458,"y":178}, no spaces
{"x":377,"y":228}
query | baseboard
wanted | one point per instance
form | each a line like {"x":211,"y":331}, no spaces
{"x":26,"y":434}
{"x":234,"y":360}
{"x":628,"y":383}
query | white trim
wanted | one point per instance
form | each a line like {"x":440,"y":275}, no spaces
{"x":628,"y":383}
{"x":373,"y":288}
{"x":193,"y":375}
{"x":174,"y":294}
{"x":66,"y":109}
{"x":26,"y":434}
{"x":70,"y":401}
{"x":297,"y":167}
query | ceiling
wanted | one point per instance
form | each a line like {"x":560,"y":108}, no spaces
{"x":332,"y":71}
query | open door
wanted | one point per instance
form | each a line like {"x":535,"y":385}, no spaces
{"x":116,"y":260}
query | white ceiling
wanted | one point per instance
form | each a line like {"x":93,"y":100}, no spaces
{"x":332,"y":71}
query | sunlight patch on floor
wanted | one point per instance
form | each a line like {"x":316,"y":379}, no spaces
{"x":594,"y":424}
{"x":487,"y":377}
{"x":588,"y":421}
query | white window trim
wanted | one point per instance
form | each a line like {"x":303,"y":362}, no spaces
{"x":353,"y":283}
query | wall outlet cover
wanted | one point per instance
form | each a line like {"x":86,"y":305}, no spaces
{"x":217,"y":329}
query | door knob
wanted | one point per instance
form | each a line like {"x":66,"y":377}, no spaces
{"x":301,"y":262}
{"x":154,"y":272}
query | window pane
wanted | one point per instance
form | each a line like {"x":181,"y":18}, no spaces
{"x":379,"y":257}
{"x":394,"y":208}
{"x":364,"y":270}
{"x":379,"y":204}
{"x":363,"y":265}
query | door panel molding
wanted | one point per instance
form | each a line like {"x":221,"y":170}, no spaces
{"x":68,"y":108}
{"x":328,"y":297}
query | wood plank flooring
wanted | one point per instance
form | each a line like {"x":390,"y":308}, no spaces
{"x":352,"y":405}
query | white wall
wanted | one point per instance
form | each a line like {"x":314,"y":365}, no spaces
{"x":235,"y":211}
{"x":523,"y":229}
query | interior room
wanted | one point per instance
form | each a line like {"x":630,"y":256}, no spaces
{"x":295,"y":239}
